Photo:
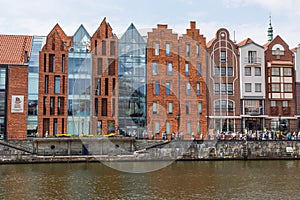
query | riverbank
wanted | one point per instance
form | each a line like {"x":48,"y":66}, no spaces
{"x":47,"y":150}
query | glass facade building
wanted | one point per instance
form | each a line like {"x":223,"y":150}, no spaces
{"x":79,"y":84}
{"x":33,"y":85}
{"x":132,"y":79}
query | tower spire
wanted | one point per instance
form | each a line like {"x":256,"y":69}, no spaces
{"x":270,"y":30}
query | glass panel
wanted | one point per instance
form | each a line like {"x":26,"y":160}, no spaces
{"x":2,"y":78}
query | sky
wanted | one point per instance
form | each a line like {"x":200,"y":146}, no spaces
{"x":243,"y":18}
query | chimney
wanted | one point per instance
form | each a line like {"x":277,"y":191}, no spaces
{"x":193,"y":25}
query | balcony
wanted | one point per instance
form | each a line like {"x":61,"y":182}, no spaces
{"x":252,"y":60}
{"x":274,"y":111}
{"x":254,"y":111}
{"x":286,"y":111}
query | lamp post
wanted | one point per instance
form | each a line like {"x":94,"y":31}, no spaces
{"x":279,"y":122}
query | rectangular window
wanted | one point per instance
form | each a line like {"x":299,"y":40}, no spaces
{"x":287,"y":87}
{"x":51,"y":63}
{"x":199,"y":69}
{"x":168,"y":88}
{"x":103,"y":48}
{"x":170,"y":107}
{"x":111,"y":67}
{"x":106,"y":87}
{"x":100,"y":65}
{"x":114,"y":86}
{"x":223,"y":88}
{"x":63,"y":63}
{"x":157,"y":127}
{"x":45,"y":61}
{"x":247,"y":71}
{"x":229,"y":88}
{"x":96,"y":107}
{"x":57,"y":85}
{"x":55,"y":126}
{"x":63,"y":84}
{"x":187,"y":108}
{"x":251,"y":56}
{"x":60,"y":106}
{"x":187,"y":69}
{"x":273,"y":103}
{"x":198,"y":128}
{"x":285,"y":104}
{"x":188,"y":89}
{"x":217,"y":71}
{"x":200,"y":108}
{"x":257,"y":71}
{"x":229,"y":71}
{"x":198,"y":89}
{"x":156,"y":53}
{"x":168,"y":128}
{"x":104,"y":107}
{"x":275,"y":87}
{"x":168,"y":49}
{"x":223,"y":71}
{"x":113,"y":107}
{"x":197,"y":50}
{"x":112,"y":48}
{"x":52,"y":105}
{"x":154,"y":107}
{"x":287,"y":71}
{"x":98,"y":86}
{"x":247,"y":87}
{"x":217,"y":88}
{"x":156,"y":88}
{"x":44,"y":105}
{"x":189,"y":128}
{"x":96,"y":47}
{"x":257,"y":87}
{"x":170,"y":69}
{"x":154,"y":68}
{"x":46,"y":89}
{"x":188,"y":49}
{"x":32,"y":106}
{"x":275,"y":71}
{"x":223,"y":56}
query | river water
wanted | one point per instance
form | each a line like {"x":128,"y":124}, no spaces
{"x":179,"y":180}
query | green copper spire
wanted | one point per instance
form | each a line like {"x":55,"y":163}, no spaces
{"x":270,"y":31}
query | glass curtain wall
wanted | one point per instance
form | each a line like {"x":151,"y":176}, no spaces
{"x":132,"y":80}
{"x":33,"y":85}
{"x":79,"y":84}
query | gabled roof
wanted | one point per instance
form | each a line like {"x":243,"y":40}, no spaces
{"x":13,"y":47}
{"x":245,"y":41}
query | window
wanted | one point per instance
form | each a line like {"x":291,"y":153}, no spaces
{"x":198,"y":128}
{"x":188,"y":89}
{"x":229,"y":88}
{"x":247,"y":71}
{"x":200,"y":108}
{"x":189,"y":128}
{"x":223,"y":88}
{"x":104,"y":107}
{"x":168,"y":128}
{"x":170,"y":107}
{"x":96,"y":107}
{"x":63,"y":63}
{"x":251,"y":56}
{"x":257,"y":71}
{"x":217,"y":88}
{"x":223,"y":56}
{"x":98,"y":86}
{"x":197,"y":50}
{"x":44,"y":105}
{"x":112,"y":48}
{"x":55,"y":126}
{"x":273,"y":103}
{"x":111,"y":67}
{"x":275,"y":71}
{"x":275,"y":87}
{"x":106,"y":87}
{"x":187,"y":69}
{"x":114,"y":86}
{"x":57,"y":85}
{"x":32,"y":107}
{"x":257,"y":87}
{"x":188,"y":49}
{"x":287,"y":87}
{"x":46,"y":89}
{"x":2,"y":79}
{"x":156,"y":53}
{"x":285,"y":104}
{"x":187,"y":108}
{"x":52,"y":105}
{"x":154,"y":68}
{"x":100,"y":65}
{"x":60,"y":106}
{"x":103,"y":48}
{"x":51,"y":62}
{"x":156,"y":88}
{"x":157,"y":127}
{"x":198,"y":89}
{"x":96,"y":47}
{"x":229,"y":71}
{"x":287,"y":71}
{"x":247,"y":87}
{"x":170,"y":68}
{"x":199,"y":69}
{"x":222,"y":71}
{"x":167,"y":88}
{"x":45,"y":61}
{"x":223,"y":105}
{"x":168,"y":49}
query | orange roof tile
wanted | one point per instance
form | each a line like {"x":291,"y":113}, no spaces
{"x":13,"y":47}
{"x":246,"y":41}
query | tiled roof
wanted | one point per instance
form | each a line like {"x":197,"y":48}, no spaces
{"x":13,"y":47}
{"x":246,"y":41}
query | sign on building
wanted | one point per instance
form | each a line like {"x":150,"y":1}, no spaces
{"x":17,"y":104}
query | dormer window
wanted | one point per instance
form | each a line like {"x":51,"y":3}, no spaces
{"x":278,"y":51}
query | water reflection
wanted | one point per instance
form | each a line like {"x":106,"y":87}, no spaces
{"x":180,"y":180}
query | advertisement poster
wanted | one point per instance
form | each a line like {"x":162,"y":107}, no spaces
{"x":17,"y":104}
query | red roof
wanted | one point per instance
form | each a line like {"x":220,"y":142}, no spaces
{"x":13,"y":47}
{"x":245,"y":41}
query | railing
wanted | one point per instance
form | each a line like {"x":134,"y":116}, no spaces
{"x":252,"y":60}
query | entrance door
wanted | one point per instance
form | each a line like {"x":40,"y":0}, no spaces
{"x":253,"y":124}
